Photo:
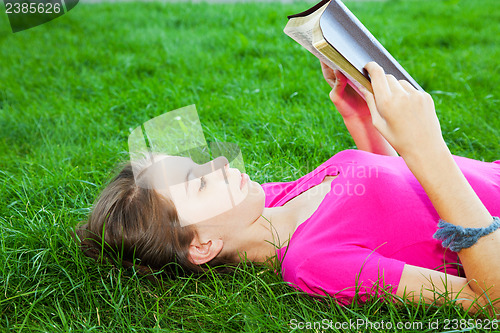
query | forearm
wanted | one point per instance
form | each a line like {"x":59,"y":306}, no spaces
{"x":355,"y":113}
{"x":366,"y":137}
{"x":457,"y":203}
{"x":447,"y":188}
{"x":407,"y":118}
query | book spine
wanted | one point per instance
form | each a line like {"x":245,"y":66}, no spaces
{"x":342,"y":28}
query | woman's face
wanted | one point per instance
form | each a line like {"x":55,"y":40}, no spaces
{"x":210,"y":192}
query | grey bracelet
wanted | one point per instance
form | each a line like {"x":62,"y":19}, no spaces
{"x":456,"y":237}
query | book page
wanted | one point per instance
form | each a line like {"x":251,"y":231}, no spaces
{"x":305,"y":30}
{"x":301,"y":29}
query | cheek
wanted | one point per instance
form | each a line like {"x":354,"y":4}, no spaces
{"x":213,"y":202}
{"x":220,"y":203}
{"x":202,"y":205}
{"x":242,"y":215}
{"x":208,"y":206}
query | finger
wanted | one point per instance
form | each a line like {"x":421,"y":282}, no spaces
{"x":407,"y":86}
{"x":328,"y":74}
{"x":378,"y":78}
{"x":341,"y":81}
{"x":394,"y":84}
{"x":339,"y":75}
{"x":377,"y":119}
{"x":324,"y":67}
{"x":370,"y":100}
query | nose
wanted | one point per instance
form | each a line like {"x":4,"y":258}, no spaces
{"x":218,"y":163}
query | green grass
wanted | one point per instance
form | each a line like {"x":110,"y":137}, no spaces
{"x":72,"y":89}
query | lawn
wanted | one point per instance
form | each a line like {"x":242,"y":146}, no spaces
{"x":71,"y":90}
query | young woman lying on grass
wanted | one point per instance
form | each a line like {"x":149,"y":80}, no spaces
{"x":362,"y":223}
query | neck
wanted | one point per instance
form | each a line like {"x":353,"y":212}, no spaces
{"x":273,"y":230}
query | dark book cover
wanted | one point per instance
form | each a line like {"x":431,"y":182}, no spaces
{"x":344,"y":32}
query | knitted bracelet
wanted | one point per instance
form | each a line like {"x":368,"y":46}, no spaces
{"x":456,"y":237}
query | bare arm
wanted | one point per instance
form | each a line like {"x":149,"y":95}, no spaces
{"x":433,"y":287}
{"x":407,"y":119}
{"x":356,"y":114}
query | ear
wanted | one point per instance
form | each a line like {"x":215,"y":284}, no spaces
{"x":201,"y":253}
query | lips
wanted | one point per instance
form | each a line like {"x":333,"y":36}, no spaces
{"x":244,"y":180}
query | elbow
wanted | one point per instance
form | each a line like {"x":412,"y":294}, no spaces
{"x":484,"y":304}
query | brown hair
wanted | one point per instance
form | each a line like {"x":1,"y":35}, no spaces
{"x":138,"y":227}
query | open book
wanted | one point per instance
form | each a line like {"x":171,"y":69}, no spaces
{"x":335,"y":36}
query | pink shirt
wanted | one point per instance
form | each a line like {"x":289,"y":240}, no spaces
{"x":375,"y":219}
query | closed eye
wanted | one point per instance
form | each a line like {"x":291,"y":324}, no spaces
{"x":203,"y":183}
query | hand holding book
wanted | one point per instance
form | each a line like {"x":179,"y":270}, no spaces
{"x":339,"y":40}
{"x":336,"y":37}
{"x":355,"y":113}
{"x":347,"y":101}
{"x":405,"y":116}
